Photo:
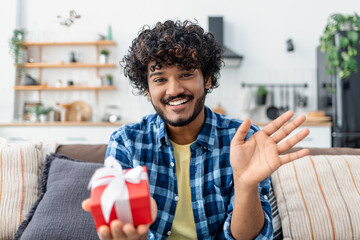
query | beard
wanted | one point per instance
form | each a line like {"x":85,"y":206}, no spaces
{"x":183,"y":122}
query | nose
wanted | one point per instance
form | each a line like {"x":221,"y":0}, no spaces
{"x":174,"y":87}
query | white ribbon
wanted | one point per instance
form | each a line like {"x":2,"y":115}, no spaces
{"x":116,"y":191}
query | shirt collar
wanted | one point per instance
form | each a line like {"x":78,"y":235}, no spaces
{"x":208,"y":133}
{"x":206,"y":137}
{"x":160,"y":127}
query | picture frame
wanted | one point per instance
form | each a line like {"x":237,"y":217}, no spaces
{"x":27,"y":114}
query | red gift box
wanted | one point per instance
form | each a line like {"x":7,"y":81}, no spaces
{"x":130,"y":205}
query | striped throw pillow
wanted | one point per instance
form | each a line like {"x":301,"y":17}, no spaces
{"x":20,"y":172}
{"x":318,"y":197}
{"x":275,"y":214}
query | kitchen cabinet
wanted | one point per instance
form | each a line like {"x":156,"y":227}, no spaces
{"x":99,"y":133}
{"x":319,"y":136}
{"x":19,"y":134}
{"x":72,"y":66}
{"x":60,"y":133}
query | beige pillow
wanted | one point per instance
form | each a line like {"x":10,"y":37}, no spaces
{"x":318,"y":197}
{"x":20,"y":173}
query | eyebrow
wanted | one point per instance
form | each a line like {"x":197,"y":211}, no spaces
{"x":155,"y":74}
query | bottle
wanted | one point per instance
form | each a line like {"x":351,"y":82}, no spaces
{"x":78,"y":114}
{"x":72,"y":57}
{"x":57,"y":112}
{"x":64,"y":112}
{"x":109,"y":37}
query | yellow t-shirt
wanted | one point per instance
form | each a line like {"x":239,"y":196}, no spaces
{"x":183,"y":226}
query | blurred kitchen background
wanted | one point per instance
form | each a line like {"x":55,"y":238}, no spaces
{"x":274,"y":45}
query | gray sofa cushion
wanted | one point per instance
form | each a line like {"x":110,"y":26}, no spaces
{"x":57,"y":214}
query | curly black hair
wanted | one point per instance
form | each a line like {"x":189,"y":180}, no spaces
{"x":184,"y":44}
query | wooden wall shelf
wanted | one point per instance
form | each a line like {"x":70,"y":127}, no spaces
{"x":93,"y":43}
{"x":68,"y":88}
{"x":69,"y":65}
{"x":41,"y":66}
{"x":63,"y":124}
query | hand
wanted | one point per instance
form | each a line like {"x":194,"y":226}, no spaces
{"x":258,"y":157}
{"x":119,"y":231}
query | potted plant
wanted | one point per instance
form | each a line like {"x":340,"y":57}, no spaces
{"x":339,"y":40}
{"x":41,"y":113}
{"x":109,"y":79}
{"x":18,"y":52}
{"x":261,"y":94}
{"x":104,"y":56}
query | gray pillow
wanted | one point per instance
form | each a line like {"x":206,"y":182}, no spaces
{"x":57,"y":214}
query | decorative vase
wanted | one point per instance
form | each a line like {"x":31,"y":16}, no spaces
{"x":261,"y":100}
{"x":109,"y":37}
{"x":103,"y":58}
{"x":42,"y":118}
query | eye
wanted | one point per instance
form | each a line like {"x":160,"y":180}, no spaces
{"x":159,"y":80}
{"x":185,"y":75}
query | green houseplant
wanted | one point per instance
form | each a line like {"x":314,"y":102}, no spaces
{"x":339,"y":41}
{"x":41,"y":112}
{"x":105,"y":52}
{"x":109,"y":79}
{"x":17,"y":51}
{"x":261,"y":94}
{"x":104,"y":56}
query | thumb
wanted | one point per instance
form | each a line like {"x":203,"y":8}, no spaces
{"x":241,"y":132}
{"x":86,"y":204}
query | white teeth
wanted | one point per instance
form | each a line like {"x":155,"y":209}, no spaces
{"x":178,"y":102}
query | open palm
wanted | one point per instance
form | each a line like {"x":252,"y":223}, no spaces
{"x":258,"y":157}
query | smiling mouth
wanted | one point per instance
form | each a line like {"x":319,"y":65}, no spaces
{"x":178,"y":102}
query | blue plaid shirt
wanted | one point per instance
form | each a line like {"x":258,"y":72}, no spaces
{"x":212,"y":190}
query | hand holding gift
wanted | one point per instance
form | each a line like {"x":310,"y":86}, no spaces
{"x":120,"y":201}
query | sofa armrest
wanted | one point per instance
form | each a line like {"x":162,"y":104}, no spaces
{"x":329,"y":151}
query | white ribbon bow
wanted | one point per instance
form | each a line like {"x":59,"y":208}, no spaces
{"x":115,"y":177}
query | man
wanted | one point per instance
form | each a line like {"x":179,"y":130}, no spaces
{"x":208,"y":174}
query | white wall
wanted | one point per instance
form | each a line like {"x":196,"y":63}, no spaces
{"x":7,"y":70}
{"x":256,"y":29}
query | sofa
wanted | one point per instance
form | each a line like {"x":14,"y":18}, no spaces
{"x":316,"y":197}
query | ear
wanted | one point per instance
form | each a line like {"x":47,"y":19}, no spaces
{"x":208,"y":83}
{"x":148,"y":94}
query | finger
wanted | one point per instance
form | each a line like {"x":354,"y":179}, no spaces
{"x":242,"y":131}
{"x":86,"y":204}
{"x":278,"y":123}
{"x":143,"y":229}
{"x":116,"y":228}
{"x":293,"y":156}
{"x":104,"y":233}
{"x":286,"y":145}
{"x":130,"y":231}
{"x":288,"y":128}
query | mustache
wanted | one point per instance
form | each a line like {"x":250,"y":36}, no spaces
{"x":169,"y":99}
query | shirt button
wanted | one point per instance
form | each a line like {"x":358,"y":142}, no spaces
{"x":177,"y":198}
{"x":205,"y":148}
{"x":172,"y":164}
{"x":265,"y":197}
{"x":169,"y":233}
